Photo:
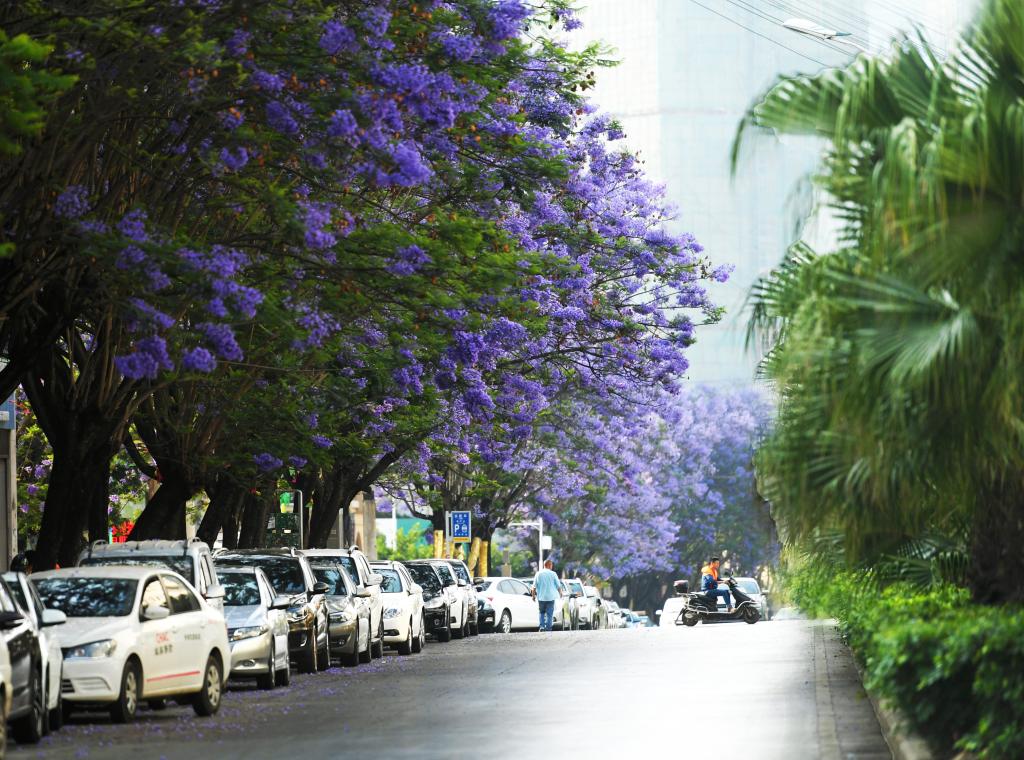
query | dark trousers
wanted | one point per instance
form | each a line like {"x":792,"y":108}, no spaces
{"x":722,"y":592}
{"x":547,"y":614}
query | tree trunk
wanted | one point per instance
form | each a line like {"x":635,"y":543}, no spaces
{"x":78,"y":491}
{"x":996,"y":571}
{"x":164,"y":515}
{"x":225,"y":500}
{"x":254,"y":520}
{"x":336,"y":494}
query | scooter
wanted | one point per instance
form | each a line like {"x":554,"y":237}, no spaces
{"x":703,"y":607}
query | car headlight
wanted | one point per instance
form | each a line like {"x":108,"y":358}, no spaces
{"x":92,"y":650}
{"x":343,"y":616}
{"x":392,"y":612}
{"x":433,"y":604}
{"x":249,"y":632}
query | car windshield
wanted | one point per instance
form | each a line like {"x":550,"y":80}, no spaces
{"x":330,"y":572}
{"x":392,"y":583}
{"x":177,"y":563}
{"x":576,"y":588}
{"x":350,"y":567}
{"x":285,"y":573}
{"x":425,"y":576}
{"x":748,"y":587}
{"x":446,"y":575}
{"x":88,"y":597}
{"x":240,"y":589}
{"x":19,"y":594}
{"x":460,"y":571}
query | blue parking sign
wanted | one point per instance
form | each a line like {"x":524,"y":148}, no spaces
{"x":461,"y":526}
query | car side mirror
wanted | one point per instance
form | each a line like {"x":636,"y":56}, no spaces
{"x":363,"y":593}
{"x":461,"y":583}
{"x":281,"y":603}
{"x":53,"y":617}
{"x":155,"y":612}
{"x":216,"y":591}
{"x":657,"y":613}
{"x":374,"y":579}
{"x":319,"y":588}
{"x":10,"y":620}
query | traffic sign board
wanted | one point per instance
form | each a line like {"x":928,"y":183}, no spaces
{"x":461,"y":531}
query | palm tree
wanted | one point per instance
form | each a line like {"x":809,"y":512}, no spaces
{"x":899,"y":356}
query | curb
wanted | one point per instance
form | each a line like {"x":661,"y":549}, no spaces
{"x":903,"y":743}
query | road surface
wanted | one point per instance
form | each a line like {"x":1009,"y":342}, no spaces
{"x":771,"y":690}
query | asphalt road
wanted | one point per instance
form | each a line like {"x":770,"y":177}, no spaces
{"x":771,"y":690}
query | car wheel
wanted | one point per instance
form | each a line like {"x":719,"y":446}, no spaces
{"x":123,"y":710}
{"x":157,"y":704}
{"x":366,"y":655}
{"x":323,"y":660}
{"x":445,"y":634}
{"x":351,"y":660}
{"x":3,"y":726}
{"x":307,"y":659}
{"x":406,"y":646}
{"x":420,"y":638}
{"x":377,"y":647}
{"x":268,"y":680}
{"x":460,"y":632}
{"x":57,"y":714}
{"x":31,"y":728}
{"x":505,"y":624}
{"x":66,"y":709}
{"x":284,"y":675}
{"x":207,"y":701}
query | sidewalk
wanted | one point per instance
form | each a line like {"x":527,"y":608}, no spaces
{"x":847,"y":725}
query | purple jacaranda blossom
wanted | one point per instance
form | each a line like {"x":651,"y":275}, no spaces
{"x":238,"y":43}
{"x":312,"y":420}
{"x":376,"y":20}
{"x":297,"y":462}
{"x":133,"y":226}
{"x":235,"y":159}
{"x":337,"y":38}
{"x":507,"y":18}
{"x":221,"y":339}
{"x":72,"y":203}
{"x":321,"y":441}
{"x":267,"y":81}
{"x":32,"y":489}
{"x":198,"y":359}
{"x":343,"y":124}
{"x":315,"y":217}
{"x":266,"y":462}
{"x":408,"y":260}
{"x":279,"y":117}
{"x":150,"y":356}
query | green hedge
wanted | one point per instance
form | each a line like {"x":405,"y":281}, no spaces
{"x":955,"y":669}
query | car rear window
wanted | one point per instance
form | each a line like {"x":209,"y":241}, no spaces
{"x":330,"y":572}
{"x":285,"y":573}
{"x":89,"y":597}
{"x":392,"y":583}
{"x":240,"y":589}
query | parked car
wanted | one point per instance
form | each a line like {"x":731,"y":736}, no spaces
{"x":598,"y":613}
{"x":5,"y":693}
{"x":44,"y":621}
{"x":257,"y":621}
{"x":669,"y":611}
{"x":457,"y":608}
{"x":348,"y":611}
{"x":631,"y":618}
{"x":465,"y":581}
{"x":25,"y":645}
{"x":585,"y":607}
{"x":514,"y":605}
{"x":484,"y":609}
{"x":359,"y":570}
{"x":567,"y":614}
{"x":290,"y":574}
{"x":192,"y":560}
{"x":136,"y":633}
{"x":615,"y":618}
{"x":403,"y":607}
{"x":438,"y":599}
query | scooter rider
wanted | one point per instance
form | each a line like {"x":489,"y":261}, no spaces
{"x":709,"y":582}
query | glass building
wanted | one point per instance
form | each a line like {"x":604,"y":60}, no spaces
{"x":690,"y":71}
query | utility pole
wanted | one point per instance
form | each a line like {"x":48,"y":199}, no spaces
{"x":8,"y":481}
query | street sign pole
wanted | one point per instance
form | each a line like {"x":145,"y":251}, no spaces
{"x":302,"y":535}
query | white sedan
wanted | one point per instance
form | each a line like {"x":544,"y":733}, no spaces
{"x":403,"y":608}
{"x":514,"y":606}
{"x":136,"y":633}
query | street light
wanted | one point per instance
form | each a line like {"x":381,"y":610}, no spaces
{"x":539,"y":525}
{"x":810,"y":29}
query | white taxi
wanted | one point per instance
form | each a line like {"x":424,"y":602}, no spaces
{"x":135,"y":633}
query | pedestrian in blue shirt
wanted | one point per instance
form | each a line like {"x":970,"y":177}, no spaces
{"x":546,"y":590}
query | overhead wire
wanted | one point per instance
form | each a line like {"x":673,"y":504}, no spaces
{"x":758,"y":34}
{"x":743,"y":5}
